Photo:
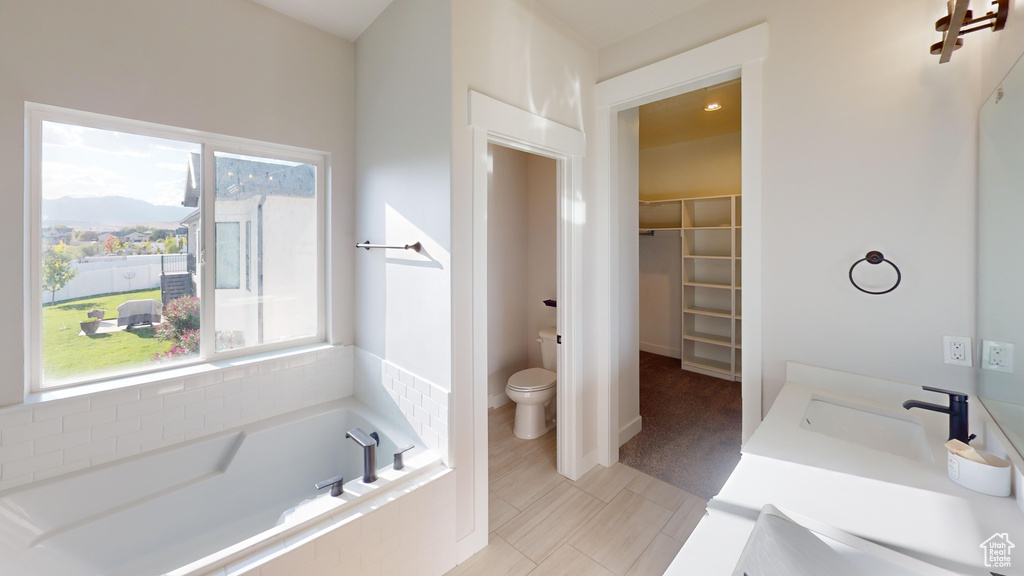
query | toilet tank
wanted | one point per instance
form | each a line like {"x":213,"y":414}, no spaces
{"x":548,"y":348}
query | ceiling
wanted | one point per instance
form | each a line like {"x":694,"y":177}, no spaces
{"x":344,"y":18}
{"x":605,"y":22}
{"x":600,"y":22}
{"x":682,"y":118}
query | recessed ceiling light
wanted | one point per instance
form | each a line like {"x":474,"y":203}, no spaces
{"x":712,"y":107}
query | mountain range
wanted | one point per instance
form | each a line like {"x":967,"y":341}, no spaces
{"x":109,"y":211}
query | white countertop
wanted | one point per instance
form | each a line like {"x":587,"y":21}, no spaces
{"x":906,"y":505}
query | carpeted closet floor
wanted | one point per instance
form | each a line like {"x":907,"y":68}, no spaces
{"x":691,"y":427}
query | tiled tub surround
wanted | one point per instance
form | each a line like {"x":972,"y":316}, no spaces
{"x":238,"y":498}
{"x":424,"y":404}
{"x":66,"y":434}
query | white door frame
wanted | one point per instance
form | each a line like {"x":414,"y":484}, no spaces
{"x":737,"y":56}
{"x":499,"y":123}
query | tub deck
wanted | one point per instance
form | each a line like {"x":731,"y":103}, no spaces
{"x":157,"y":512}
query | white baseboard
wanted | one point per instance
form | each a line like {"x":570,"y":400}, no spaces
{"x":662,"y":350}
{"x":496,"y":400}
{"x":629,"y":430}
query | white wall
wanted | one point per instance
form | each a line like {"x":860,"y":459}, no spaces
{"x":996,"y":53}
{"x":514,"y":52}
{"x":403,"y":127}
{"x":661,"y":294}
{"x":881,"y":156}
{"x":705,"y":167}
{"x":229,"y":67}
{"x":508,"y":350}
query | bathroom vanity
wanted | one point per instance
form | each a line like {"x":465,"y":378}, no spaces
{"x":840,"y":450}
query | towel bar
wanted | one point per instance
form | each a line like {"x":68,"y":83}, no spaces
{"x":417,"y":247}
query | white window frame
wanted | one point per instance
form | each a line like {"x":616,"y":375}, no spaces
{"x":210,"y":143}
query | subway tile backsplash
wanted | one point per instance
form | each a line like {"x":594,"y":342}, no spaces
{"x":43,"y":440}
{"x":422,"y":403}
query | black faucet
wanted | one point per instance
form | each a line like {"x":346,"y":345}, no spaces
{"x":369,"y":443}
{"x":957,"y":411}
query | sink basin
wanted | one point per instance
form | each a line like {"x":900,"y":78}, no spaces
{"x":785,"y":544}
{"x":876,"y":428}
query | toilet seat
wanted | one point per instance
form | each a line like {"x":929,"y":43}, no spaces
{"x":532,"y":380}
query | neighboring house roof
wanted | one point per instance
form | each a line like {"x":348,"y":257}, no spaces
{"x":190,"y":219}
{"x":137,"y":237}
{"x":239,"y":179}
{"x":56,"y":233}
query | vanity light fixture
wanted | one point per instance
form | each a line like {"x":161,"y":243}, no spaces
{"x":960,"y":21}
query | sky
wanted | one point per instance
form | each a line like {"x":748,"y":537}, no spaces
{"x":81,"y":162}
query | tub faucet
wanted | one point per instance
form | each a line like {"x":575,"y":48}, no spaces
{"x":369,"y":443}
{"x":337,"y":485}
{"x":957,"y":411}
{"x":399,"y":460}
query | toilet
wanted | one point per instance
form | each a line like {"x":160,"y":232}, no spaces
{"x":533,"y":391}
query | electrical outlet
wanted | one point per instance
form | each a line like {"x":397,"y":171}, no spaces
{"x":956,"y":350}
{"x":997,"y":356}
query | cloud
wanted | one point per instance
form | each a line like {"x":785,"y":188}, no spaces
{"x":81,"y":181}
{"x":62,"y":135}
{"x":57,"y":135}
{"x":168,"y":192}
{"x":174,"y":166}
{"x":173,"y":146}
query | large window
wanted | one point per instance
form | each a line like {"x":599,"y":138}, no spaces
{"x":154,"y":246}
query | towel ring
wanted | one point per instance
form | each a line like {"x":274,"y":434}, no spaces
{"x":876,"y":257}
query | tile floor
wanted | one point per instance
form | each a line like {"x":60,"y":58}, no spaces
{"x":612,"y":521}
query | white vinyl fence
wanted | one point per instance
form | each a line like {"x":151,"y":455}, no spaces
{"x":106,"y":275}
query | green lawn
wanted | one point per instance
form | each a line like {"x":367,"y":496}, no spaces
{"x":66,"y":354}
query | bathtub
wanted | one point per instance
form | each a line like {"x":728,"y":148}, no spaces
{"x":231,"y":498}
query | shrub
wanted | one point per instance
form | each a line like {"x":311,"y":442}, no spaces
{"x":180,"y":326}
{"x":180,"y":315}
{"x":186,"y":345}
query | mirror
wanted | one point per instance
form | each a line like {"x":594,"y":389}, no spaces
{"x":1000,"y":306}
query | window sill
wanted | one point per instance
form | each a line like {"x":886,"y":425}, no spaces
{"x":169,"y":375}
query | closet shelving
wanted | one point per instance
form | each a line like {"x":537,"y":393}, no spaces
{"x":710,"y":232}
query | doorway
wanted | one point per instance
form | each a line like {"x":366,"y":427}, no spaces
{"x":522,"y":265}
{"x":689,"y":194}
{"x":739,"y":56}
{"x":494,"y":122}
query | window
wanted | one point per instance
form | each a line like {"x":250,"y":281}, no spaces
{"x":131,"y":279}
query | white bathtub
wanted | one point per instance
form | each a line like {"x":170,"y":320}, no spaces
{"x":196,"y":506}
